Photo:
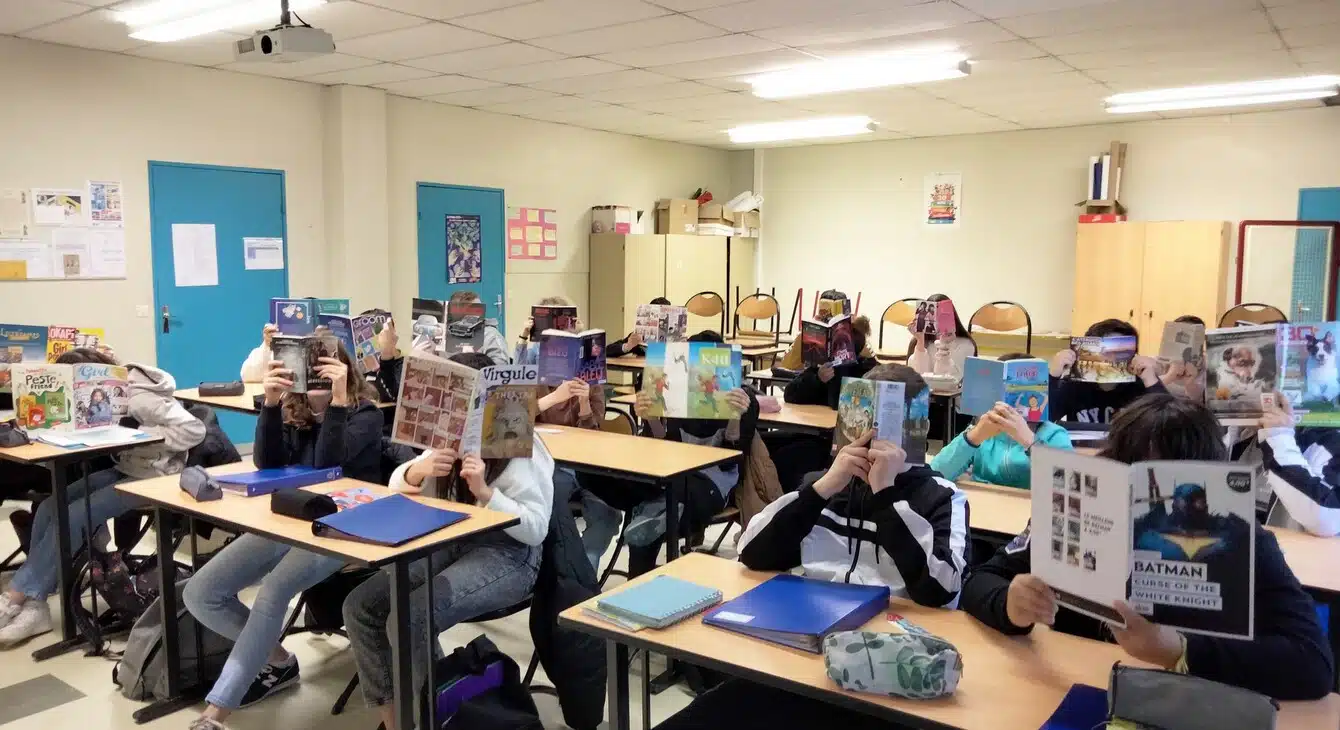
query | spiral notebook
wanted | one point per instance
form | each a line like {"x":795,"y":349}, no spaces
{"x":660,"y":602}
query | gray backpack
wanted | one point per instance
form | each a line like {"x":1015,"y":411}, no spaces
{"x":142,"y":672}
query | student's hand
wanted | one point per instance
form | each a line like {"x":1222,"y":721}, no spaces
{"x":1062,"y":362}
{"x":634,"y":340}
{"x":1279,"y":415}
{"x":438,"y":464}
{"x":1030,"y":601}
{"x":278,"y":379}
{"x":738,"y":400}
{"x":388,"y":340}
{"x":578,"y":325}
{"x":826,"y":373}
{"x":472,"y":471}
{"x":267,"y":334}
{"x":982,"y":430}
{"x":1145,"y":640}
{"x":886,"y":463}
{"x":918,"y":337}
{"x":1012,"y":423}
{"x":642,"y":405}
{"x":942,"y":351}
{"x":525,"y":331}
{"x":581,"y":390}
{"x":1146,"y":369}
{"x":852,"y":461}
{"x":338,"y":373}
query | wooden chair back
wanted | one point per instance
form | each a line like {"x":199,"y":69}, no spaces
{"x":900,"y":314}
{"x":617,"y":421}
{"x":1004,"y":316}
{"x":759,"y":306}
{"x":708,"y":304}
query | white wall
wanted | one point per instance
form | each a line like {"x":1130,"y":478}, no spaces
{"x":1016,"y":240}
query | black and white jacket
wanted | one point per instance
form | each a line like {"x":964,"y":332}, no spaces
{"x":911,"y":537}
{"x":1303,"y":474}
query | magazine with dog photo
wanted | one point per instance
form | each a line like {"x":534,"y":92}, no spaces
{"x":447,"y":405}
{"x":1240,"y":365}
{"x":1309,"y":372}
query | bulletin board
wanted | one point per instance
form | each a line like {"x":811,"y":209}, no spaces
{"x":532,"y":233}
{"x":54,"y":233}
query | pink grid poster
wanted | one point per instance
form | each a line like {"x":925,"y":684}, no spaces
{"x":532,"y":233}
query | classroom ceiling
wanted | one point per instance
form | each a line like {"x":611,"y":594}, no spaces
{"x":677,"y":69}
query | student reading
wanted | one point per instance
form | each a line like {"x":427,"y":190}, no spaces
{"x":322,"y":428}
{"x":952,"y":349}
{"x":1074,"y":400}
{"x":632,"y":343}
{"x":1301,"y":468}
{"x":870,"y":519}
{"x":1289,"y":659}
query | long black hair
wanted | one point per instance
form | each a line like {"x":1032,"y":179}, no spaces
{"x":457,"y":490}
{"x":1163,"y":426}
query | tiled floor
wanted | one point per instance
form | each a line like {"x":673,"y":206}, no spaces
{"x":327,"y":666}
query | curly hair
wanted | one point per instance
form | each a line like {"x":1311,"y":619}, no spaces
{"x":298,"y":413}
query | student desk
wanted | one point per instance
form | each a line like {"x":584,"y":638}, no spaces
{"x":253,"y":515}
{"x":626,"y":364}
{"x":818,"y":420}
{"x":245,"y":403}
{"x":765,"y":379}
{"x":756,"y":354}
{"x":58,"y":460}
{"x":1009,"y":683}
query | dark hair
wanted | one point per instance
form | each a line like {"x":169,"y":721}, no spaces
{"x":1166,"y":427}
{"x":660,"y":300}
{"x":476,"y":360}
{"x":959,"y":329}
{"x":708,"y":336}
{"x":81,"y":355}
{"x":1014,"y":356}
{"x":912,"y":381}
{"x":298,"y":412}
{"x":1112,"y":328}
{"x":1190,"y":319}
{"x":458,"y":491}
{"x":832,"y":294}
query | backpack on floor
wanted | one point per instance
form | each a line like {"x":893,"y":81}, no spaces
{"x":124,"y":586}
{"x":479,"y":688}
{"x":142,"y":672}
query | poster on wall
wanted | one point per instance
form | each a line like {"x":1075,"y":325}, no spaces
{"x":943,"y":198}
{"x":532,"y":233}
{"x":104,"y":204}
{"x":58,"y":207}
{"x":464,"y":246}
{"x":15,"y":213}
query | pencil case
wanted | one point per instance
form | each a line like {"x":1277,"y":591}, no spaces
{"x":214,"y":390}
{"x":1152,"y":698}
{"x":302,"y":505}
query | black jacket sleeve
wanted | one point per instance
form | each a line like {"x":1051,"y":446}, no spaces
{"x":352,"y":440}
{"x":389,"y":375}
{"x":269,"y":451}
{"x":985,"y":593}
{"x":1060,"y":398}
{"x":1290,"y":658}
{"x":806,"y":389}
{"x":932,"y":573}
{"x":772,"y":541}
{"x":619,"y":348}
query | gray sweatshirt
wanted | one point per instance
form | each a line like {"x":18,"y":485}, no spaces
{"x":159,"y":414}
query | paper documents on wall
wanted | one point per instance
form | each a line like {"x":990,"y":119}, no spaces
{"x":263,"y":253}
{"x":104,"y":204}
{"x":58,"y":207}
{"x":35,"y":254}
{"x":15,"y":213}
{"x":195,"y":258}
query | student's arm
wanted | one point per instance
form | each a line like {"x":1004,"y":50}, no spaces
{"x":495,"y":346}
{"x":1308,"y":495}
{"x":1290,"y":658}
{"x":526,"y":489}
{"x":807,"y":389}
{"x":618,"y":348}
{"x":920,"y":360}
{"x":167,"y":418}
{"x":772,"y":539}
{"x":269,"y":451}
{"x":987,"y":591}
{"x":254,"y":367}
{"x":956,"y":457}
{"x":399,"y":478}
{"x":389,"y":375}
{"x":1054,"y":436}
{"x":351,"y":438}
{"x":740,"y":431}
{"x":593,"y":418}
{"x":933,"y":572}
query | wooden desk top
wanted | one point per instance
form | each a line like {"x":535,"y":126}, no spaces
{"x":626,"y":362}
{"x":632,"y":456}
{"x":1000,"y":511}
{"x":40,"y":453}
{"x":806,"y":417}
{"x":1312,"y":559}
{"x":245,"y":403}
{"x":252,"y":514}
{"x":1009,"y":683}
{"x":762,"y":351}
{"x":766,"y":374}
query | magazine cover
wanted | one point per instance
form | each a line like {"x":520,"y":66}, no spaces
{"x":429,"y":321}
{"x":572,"y":356}
{"x":434,"y":402}
{"x":508,"y":410}
{"x":1240,"y":365}
{"x":332,"y":306}
{"x":61,"y":340}
{"x":827,"y":343}
{"x":342,"y":328}
{"x":295,"y":317}
{"x":1103,"y":359}
{"x":43,"y":395}
{"x":983,"y":385}
{"x":20,"y":343}
{"x":691,"y":379}
{"x":365,"y":342}
{"x":1182,"y":359}
{"x":302,"y":356}
{"x":935,"y":318}
{"x":661,"y":323}
{"x":1026,"y":388}
{"x":101,"y":395}
{"x":1310,"y":374}
{"x":552,"y":317}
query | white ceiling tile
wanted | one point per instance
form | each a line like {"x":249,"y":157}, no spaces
{"x":345,"y":20}
{"x":684,"y":6}
{"x":320,"y":64}
{"x":416,"y":42}
{"x":760,"y":14}
{"x":553,"y":17}
{"x":638,"y":34}
{"x":1141,"y":78}
{"x":1175,"y":59}
{"x":20,"y":15}
{"x":97,"y":3}
{"x":676,"y":90}
{"x":628,"y":78}
{"x":1305,"y":14}
{"x":729,"y":83}
{"x":963,"y":37}
{"x":493,"y":95}
{"x":677,"y":106}
{"x":1012,"y":8}
{"x":1282,"y":3}
{"x":965,"y":90}
{"x":1123,"y":13}
{"x":537,"y":106}
{"x":211,"y":49}
{"x":436,"y":85}
{"x":1316,"y":35}
{"x":382,"y":73}
{"x":560,"y":69}
{"x":927,"y":18}
{"x":1236,"y":34}
{"x":750,"y":63}
{"x":1317,"y":54}
{"x":445,"y":9}
{"x":690,"y":51}
{"x":505,"y":55}
{"x":942,"y":128}
{"x":864,"y":102}
{"x":94,"y":29}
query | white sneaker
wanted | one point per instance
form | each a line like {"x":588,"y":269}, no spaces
{"x":8,"y":610}
{"x":33,"y":619}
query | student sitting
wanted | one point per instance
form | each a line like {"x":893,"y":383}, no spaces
{"x":1074,"y":400}
{"x":1301,"y":468}
{"x":917,"y":523}
{"x":24,"y":612}
{"x":1289,"y":659}
{"x":996,"y":447}
{"x":952,"y":349}
{"x":632,"y":344}
{"x":831,"y":302}
{"x":527,"y":349}
{"x":494,"y":344}
{"x":821,"y":384}
{"x":257,"y":364}
{"x":323,"y":428}
{"x":470,"y":577}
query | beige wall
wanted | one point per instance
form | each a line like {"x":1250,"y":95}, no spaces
{"x":1016,"y":241}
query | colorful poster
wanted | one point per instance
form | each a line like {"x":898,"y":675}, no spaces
{"x":532,"y":233}
{"x":943,"y":198}
{"x":464,"y":246}
{"x":104,"y":204}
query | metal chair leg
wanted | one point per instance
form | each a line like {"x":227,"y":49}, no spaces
{"x":343,"y":700}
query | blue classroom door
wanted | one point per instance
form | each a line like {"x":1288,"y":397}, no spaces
{"x":205,"y":332}
{"x":1311,"y":253}
{"x":438,"y":204}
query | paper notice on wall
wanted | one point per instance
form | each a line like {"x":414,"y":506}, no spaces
{"x":104,"y":204}
{"x":15,"y":213}
{"x":58,"y":207}
{"x":70,"y":253}
{"x":195,"y":256}
{"x":35,"y":254}
{"x":259,"y":254}
{"x":107,"y":253}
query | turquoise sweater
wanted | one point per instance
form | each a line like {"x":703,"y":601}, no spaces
{"x":1001,"y":460}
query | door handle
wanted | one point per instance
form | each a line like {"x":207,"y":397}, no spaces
{"x":498,"y":305}
{"x":1151,"y":314}
{"x":1131,"y":315}
{"x":167,"y":319}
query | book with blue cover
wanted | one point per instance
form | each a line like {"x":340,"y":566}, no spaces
{"x":265,"y":481}
{"x":572,"y":356}
{"x":1020,"y":384}
{"x":660,"y":602}
{"x":390,"y":521}
{"x":799,"y":612}
{"x":293,"y":316}
{"x":983,"y":385}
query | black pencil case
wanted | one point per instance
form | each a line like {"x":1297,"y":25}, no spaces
{"x":302,"y":505}
{"x":214,"y":390}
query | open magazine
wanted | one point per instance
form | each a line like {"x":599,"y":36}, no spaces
{"x":661,"y":323}
{"x":1182,"y":359}
{"x":882,"y":405}
{"x":691,"y":379}
{"x":447,"y":405}
{"x":1103,"y":359}
{"x":1240,"y":365}
{"x":1310,"y":372}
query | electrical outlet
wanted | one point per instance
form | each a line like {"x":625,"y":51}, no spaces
{"x":142,"y":310}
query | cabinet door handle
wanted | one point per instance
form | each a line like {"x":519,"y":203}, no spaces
{"x":1131,"y":315}
{"x":1151,"y":314}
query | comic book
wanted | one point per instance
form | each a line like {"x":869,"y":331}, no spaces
{"x":572,"y":356}
{"x":61,"y":339}
{"x":302,"y":355}
{"x":447,"y":405}
{"x":101,"y":395}
{"x":20,"y":343}
{"x":465,"y":327}
{"x":1021,"y":384}
{"x":935,"y":318}
{"x":1310,"y":373}
{"x":1103,"y":359}
{"x":331,"y":306}
{"x":883,"y":406}
{"x":365,"y":328}
{"x":552,"y":317}
{"x":342,"y":327}
{"x":43,"y":395}
{"x":1175,"y":539}
{"x":691,"y":379}
{"x":1240,"y":365}
{"x":1182,"y":359}
{"x":661,"y":323}
{"x":827,"y":343}
{"x":295,"y":317}
{"x":429,"y":322}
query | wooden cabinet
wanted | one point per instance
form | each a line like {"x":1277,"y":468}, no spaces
{"x":694,"y":264}
{"x":1150,"y":273}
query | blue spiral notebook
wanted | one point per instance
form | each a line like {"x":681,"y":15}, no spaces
{"x":660,"y":602}
{"x":799,"y":612}
{"x":1082,"y":708}
{"x":390,"y":521}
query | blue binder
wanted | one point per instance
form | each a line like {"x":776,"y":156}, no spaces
{"x":800,"y":612}
{"x":265,"y":481}
{"x":1082,"y":708}
{"x":390,"y":521}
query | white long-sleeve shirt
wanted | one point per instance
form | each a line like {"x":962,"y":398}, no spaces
{"x":254,"y":367}
{"x":1303,"y":476}
{"x":947,"y":359}
{"x":525,"y":488}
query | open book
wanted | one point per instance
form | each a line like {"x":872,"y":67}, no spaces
{"x":661,"y":323}
{"x":1182,"y":358}
{"x":1240,"y":365}
{"x":447,"y":405}
{"x":356,"y":334}
{"x":295,"y":317}
{"x":572,"y":356}
{"x":1103,"y":359}
{"x":827,"y":343}
{"x":935,"y":318}
{"x":302,"y":357}
{"x":691,"y":379}
{"x":1020,"y":384}
{"x":882,"y":405}
{"x":552,"y":317}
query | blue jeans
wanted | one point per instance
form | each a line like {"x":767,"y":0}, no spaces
{"x":38,"y":576}
{"x":602,"y":521}
{"x":470,"y":578}
{"x":211,"y":596}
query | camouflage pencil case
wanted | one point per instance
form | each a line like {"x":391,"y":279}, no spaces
{"x":912,"y":665}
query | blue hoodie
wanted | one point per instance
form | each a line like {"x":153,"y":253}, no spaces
{"x":1001,"y":460}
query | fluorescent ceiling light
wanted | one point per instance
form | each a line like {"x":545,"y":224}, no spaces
{"x":1250,"y":93}
{"x":801,"y":129}
{"x":174,"y":20}
{"x":853,"y":74}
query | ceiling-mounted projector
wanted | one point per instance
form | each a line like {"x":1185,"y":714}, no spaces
{"x":284,"y":44}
